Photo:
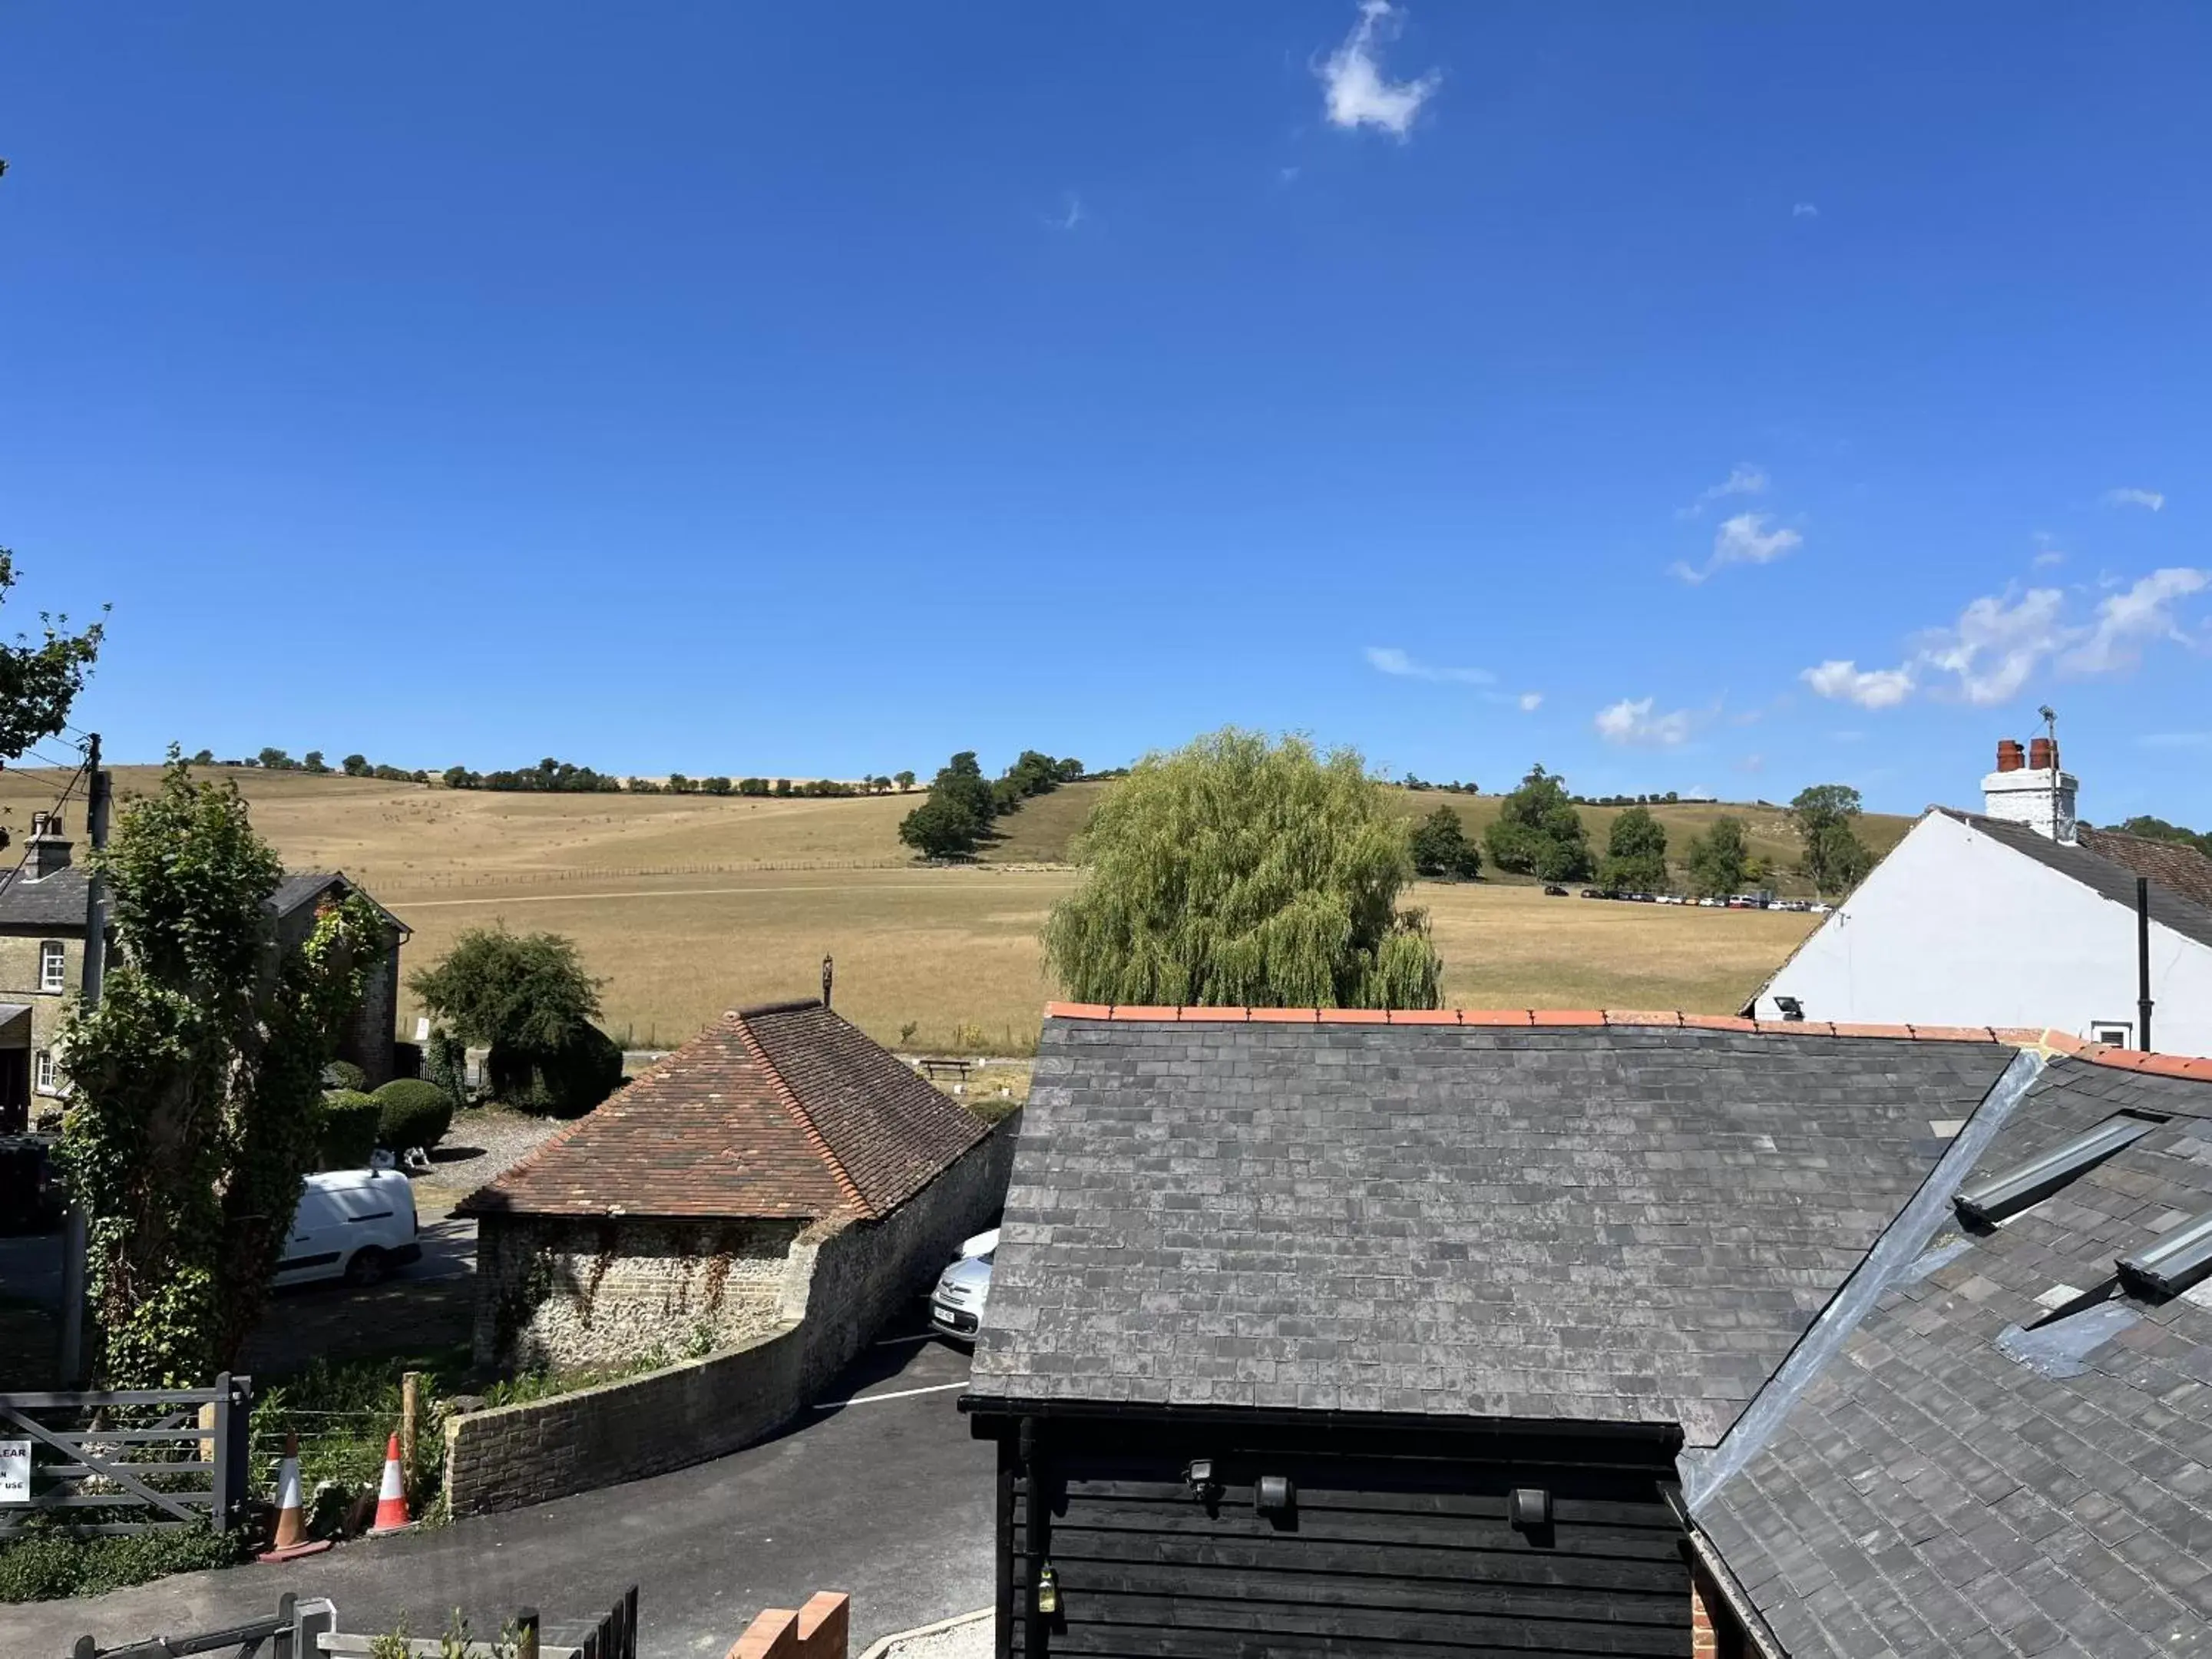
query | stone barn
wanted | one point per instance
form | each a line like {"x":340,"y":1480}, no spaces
{"x":678,"y":1218}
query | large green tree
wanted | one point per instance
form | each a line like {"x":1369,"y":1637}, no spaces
{"x":1237,"y":870}
{"x":1441,"y":848}
{"x":527,"y":998}
{"x":1537,"y":831}
{"x":1635,"y":853}
{"x":1717,"y":858}
{"x":39,"y":679}
{"x":1835,"y":860}
{"x":195,"y":1082}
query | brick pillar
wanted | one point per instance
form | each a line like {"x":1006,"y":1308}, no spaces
{"x":817,"y":1631}
{"x":1713,"y":1631}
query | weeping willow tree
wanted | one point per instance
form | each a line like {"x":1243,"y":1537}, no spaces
{"x":1238,"y":872}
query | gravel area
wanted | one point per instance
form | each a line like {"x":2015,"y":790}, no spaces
{"x":971,"y":1636}
{"x":483,"y":1142}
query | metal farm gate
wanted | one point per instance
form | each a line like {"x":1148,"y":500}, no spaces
{"x":125,"y":1460}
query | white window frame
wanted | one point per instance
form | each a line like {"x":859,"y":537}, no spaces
{"x":45,"y":1076}
{"x":53,"y":966}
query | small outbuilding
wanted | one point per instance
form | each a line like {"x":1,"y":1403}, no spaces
{"x":665,"y":1221}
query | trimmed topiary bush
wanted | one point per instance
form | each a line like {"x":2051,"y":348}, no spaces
{"x":344,"y":1074}
{"x":349,"y":1130}
{"x":446,"y":1063}
{"x":565,"y":1081}
{"x":413,"y":1113}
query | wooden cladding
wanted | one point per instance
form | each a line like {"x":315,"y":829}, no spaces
{"x":1394,"y":1543}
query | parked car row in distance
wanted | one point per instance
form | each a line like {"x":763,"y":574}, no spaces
{"x":1737,"y":901}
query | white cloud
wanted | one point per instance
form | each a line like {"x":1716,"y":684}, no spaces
{"x":1751,"y":763}
{"x":1356,"y":92}
{"x":2000,"y":641}
{"x":1390,"y":660}
{"x":1069,"y":217}
{"x":1743,"y":479}
{"x":1529,"y":701}
{"x":2124,"y":621}
{"x":1870,"y":687}
{"x":2150,"y":498}
{"x":2047,"y":558}
{"x":1746,"y":539}
{"x":1631,"y":723}
{"x":1805,"y":211}
{"x":2174,"y":741}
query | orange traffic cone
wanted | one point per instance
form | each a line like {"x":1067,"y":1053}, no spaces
{"x":291,"y":1541}
{"x":391,"y":1497}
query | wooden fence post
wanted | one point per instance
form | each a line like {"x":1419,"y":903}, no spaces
{"x":411,"y":1403}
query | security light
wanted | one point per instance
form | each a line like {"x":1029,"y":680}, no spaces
{"x":1790,"y":1007}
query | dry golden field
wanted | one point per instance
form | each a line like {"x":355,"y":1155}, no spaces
{"x":689,"y":905}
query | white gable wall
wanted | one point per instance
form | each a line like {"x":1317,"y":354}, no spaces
{"x":1953,"y":928}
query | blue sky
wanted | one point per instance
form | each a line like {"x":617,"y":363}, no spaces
{"x":1727,"y":396}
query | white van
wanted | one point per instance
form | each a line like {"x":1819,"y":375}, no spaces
{"x":354,"y":1225}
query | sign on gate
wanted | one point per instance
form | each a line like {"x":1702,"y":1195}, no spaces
{"x":15,"y":1471}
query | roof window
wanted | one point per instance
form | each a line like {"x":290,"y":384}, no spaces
{"x":2177,"y":1261}
{"x":2006,"y":1193}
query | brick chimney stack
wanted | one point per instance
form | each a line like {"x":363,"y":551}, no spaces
{"x":2028,"y":788}
{"x":48,"y":850}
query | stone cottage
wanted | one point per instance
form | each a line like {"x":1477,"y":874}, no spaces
{"x":680,"y":1216}
{"x":42,"y":933}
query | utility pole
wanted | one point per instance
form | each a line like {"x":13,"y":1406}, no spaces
{"x":75,"y":1241}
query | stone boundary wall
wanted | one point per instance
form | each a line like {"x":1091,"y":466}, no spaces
{"x":841,"y":1282}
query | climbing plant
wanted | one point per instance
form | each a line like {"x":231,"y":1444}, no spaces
{"x":197,"y":1080}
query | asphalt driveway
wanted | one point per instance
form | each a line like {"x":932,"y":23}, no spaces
{"x":884,"y":1496}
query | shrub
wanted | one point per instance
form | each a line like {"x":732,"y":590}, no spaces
{"x":349,"y":1130}
{"x":446,"y":1063}
{"x":344,"y":1074}
{"x":46,"y":1566}
{"x":566,"y":1080}
{"x":412,"y":1113}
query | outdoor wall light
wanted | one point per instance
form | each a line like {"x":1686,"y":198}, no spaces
{"x":1198,"y":1474}
{"x":1273,"y":1494}
{"x":1528,"y":1507}
{"x":1048,"y":1589}
{"x":1790,"y":1007}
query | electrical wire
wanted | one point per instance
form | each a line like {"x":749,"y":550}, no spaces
{"x":60,"y":800}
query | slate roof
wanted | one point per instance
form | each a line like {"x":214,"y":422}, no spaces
{"x":1930,"y":1493}
{"x":1624,"y":1218}
{"x":782,"y":1111}
{"x":58,"y":901}
{"x":2095,"y":865}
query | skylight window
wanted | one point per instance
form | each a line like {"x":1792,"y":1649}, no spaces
{"x":2008,"y":1193}
{"x":2175,"y":1262}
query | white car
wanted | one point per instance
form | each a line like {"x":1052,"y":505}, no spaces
{"x":956,"y":1306}
{"x":354,"y":1225}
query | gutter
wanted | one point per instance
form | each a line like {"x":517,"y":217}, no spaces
{"x":1748,"y":1618}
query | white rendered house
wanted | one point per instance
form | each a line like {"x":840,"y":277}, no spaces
{"x":2014,"y":916}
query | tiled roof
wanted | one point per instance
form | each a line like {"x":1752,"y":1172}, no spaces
{"x":780,"y":1111}
{"x":2099,"y":869}
{"x":2184,"y":869}
{"x":1952,"y":1480}
{"x":1547,"y":1213}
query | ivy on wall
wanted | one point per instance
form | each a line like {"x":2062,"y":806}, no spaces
{"x":196,"y":1100}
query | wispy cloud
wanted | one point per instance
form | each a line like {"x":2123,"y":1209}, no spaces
{"x":1746,"y":539}
{"x":1529,"y":701}
{"x":2049,"y":557}
{"x":1869,"y":688}
{"x":1069,"y":217}
{"x":2126,"y":621}
{"x":2150,"y":498}
{"x":1805,"y":211}
{"x":2002,"y":640}
{"x":1743,"y":479}
{"x":1390,"y":660}
{"x":1632,"y":724}
{"x":1355,"y":91}
{"x":2175,"y":741}
{"x":1751,"y":763}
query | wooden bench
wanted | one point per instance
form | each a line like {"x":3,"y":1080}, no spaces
{"x":937,"y":1070}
